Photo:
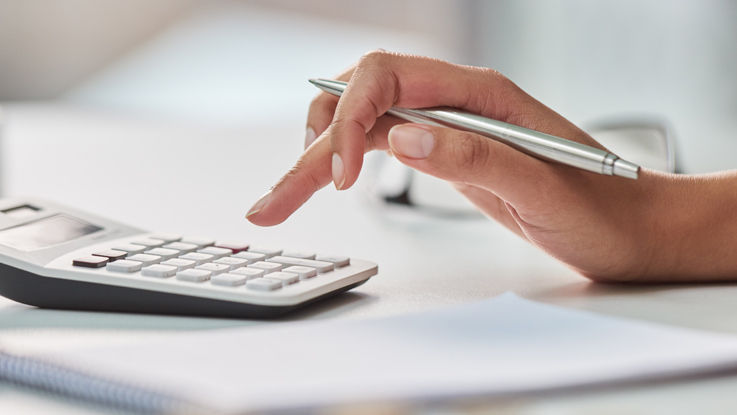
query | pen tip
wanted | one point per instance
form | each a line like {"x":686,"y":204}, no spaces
{"x":313,"y":81}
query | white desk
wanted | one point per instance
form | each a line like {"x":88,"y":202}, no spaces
{"x":171,"y":176}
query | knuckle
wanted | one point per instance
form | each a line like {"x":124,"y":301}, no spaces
{"x":376,"y":55}
{"x":302,"y":176}
{"x":496,"y":77}
{"x":472,"y":152}
{"x":322,"y":102}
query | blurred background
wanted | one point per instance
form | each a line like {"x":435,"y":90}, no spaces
{"x":235,"y":61}
{"x":91,"y":78}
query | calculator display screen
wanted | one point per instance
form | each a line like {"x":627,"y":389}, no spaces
{"x":46,"y":232}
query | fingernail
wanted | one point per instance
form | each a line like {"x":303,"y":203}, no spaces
{"x":259,"y":205}
{"x":338,"y":171}
{"x":411,"y":141}
{"x":310,"y":136}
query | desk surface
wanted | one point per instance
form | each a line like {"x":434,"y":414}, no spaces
{"x":424,"y":262}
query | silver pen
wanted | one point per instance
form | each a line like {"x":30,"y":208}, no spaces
{"x":534,"y":143}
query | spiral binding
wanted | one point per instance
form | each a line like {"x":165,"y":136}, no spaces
{"x":78,"y":385}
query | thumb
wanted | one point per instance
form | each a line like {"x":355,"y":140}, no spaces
{"x":460,"y":156}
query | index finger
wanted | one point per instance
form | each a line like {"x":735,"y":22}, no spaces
{"x":382,"y":80}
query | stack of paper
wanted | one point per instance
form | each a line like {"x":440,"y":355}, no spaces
{"x":496,"y":347}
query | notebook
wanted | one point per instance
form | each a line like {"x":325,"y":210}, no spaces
{"x":498,"y":347}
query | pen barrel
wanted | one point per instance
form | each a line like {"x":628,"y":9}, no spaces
{"x":537,"y":144}
{"x":534,"y":143}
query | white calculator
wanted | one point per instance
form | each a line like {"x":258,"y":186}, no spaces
{"x":56,"y":257}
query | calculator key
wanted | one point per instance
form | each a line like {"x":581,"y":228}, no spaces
{"x":124,"y":265}
{"x":148,"y":242}
{"x":145,"y":259}
{"x":229,"y":280}
{"x":249,"y":273}
{"x":159,"y":271}
{"x":111,"y":254}
{"x":193,"y":275}
{"x":213,"y":268}
{"x":268,"y":252}
{"x":164,"y":253}
{"x":180,"y":263}
{"x":200,"y":242}
{"x":267,"y":266}
{"x":166,"y":237}
{"x":320,"y":266}
{"x":298,"y":254}
{"x":199,"y":259}
{"x":130,"y":248}
{"x":264,"y":284}
{"x":302,"y":272}
{"x":286,"y":278}
{"x":181,"y":246}
{"x":90,"y":262}
{"x":337,"y":260}
{"x":250,"y":256}
{"x":233,"y":263}
{"x":215,"y":252}
{"x":234,"y":247}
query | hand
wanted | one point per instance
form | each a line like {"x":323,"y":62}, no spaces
{"x":607,"y":228}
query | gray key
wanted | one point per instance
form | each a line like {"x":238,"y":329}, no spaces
{"x":181,"y":246}
{"x":215,"y":251}
{"x":111,"y":254}
{"x":249,"y":273}
{"x":200,"y":242}
{"x":214,"y":268}
{"x":130,"y":248}
{"x":264,"y":284}
{"x":339,"y":261}
{"x":145,"y":259}
{"x":303,"y":272}
{"x":163,"y":252}
{"x":298,"y":254}
{"x":124,"y":265}
{"x":166,"y":237}
{"x":180,"y":263}
{"x":159,"y":271}
{"x":148,"y":242}
{"x":193,"y":275}
{"x":233,"y":263}
{"x":199,"y":259}
{"x":268,"y":252}
{"x":250,"y":256}
{"x":320,"y":266}
{"x":229,"y":280}
{"x":267,"y":266}
{"x":285,"y":277}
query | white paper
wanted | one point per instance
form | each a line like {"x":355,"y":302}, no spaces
{"x":495,"y":347}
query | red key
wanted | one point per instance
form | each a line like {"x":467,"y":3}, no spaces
{"x":90,"y":262}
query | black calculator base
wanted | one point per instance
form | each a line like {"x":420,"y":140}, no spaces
{"x":47,"y":292}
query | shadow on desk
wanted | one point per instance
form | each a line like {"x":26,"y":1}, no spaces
{"x":706,"y":306}
{"x":18,"y":316}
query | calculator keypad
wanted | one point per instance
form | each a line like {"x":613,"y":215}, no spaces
{"x":198,"y":260}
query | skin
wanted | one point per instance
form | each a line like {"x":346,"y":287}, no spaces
{"x":659,"y":228}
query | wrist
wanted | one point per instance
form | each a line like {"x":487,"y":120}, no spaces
{"x":693,"y":236}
